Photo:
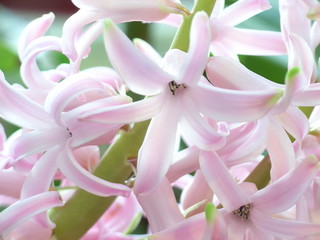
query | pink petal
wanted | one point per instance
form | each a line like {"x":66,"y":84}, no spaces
{"x":35,"y":29}
{"x":141,"y":74}
{"x":72,"y":30}
{"x":38,"y":141}
{"x":238,"y":106}
{"x":22,"y":210}
{"x":308,"y":97}
{"x":71,"y":88}
{"x":230,"y":74}
{"x":186,"y":161}
{"x":280,"y":150}
{"x":19,"y":110}
{"x":160,"y":207}
{"x":30,"y":72}
{"x":148,"y":50}
{"x":191,"y":228}
{"x":196,"y":192}
{"x":251,"y":42}
{"x":198,"y":50}
{"x":283,"y":228}
{"x":126,"y":113}
{"x":137,"y":10}
{"x":152,"y":167}
{"x":243,"y":10}
{"x":221,"y":182}
{"x":196,"y":130}
{"x":11,"y":183}
{"x":295,"y":122}
{"x":284,"y":193}
{"x":84,"y":179}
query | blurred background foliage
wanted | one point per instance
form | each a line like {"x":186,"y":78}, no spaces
{"x":15,"y":15}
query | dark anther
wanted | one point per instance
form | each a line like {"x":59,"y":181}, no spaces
{"x":173,"y":86}
{"x":243,"y":211}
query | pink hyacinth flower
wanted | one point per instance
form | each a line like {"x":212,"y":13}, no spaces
{"x":178,"y":96}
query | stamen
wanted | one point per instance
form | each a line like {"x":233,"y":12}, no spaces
{"x":70,"y":133}
{"x":243,"y":212}
{"x":173,"y":86}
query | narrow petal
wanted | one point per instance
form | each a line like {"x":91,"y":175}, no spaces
{"x":156,"y":153}
{"x":221,"y":182}
{"x":11,"y":183}
{"x":141,"y":74}
{"x":196,"y":130}
{"x":148,"y":50}
{"x":19,"y":110}
{"x":280,"y":150}
{"x":35,"y":29}
{"x":38,"y":141}
{"x":185,"y":162}
{"x":230,"y":74}
{"x":295,"y":122}
{"x":197,"y":57}
{"x":283,"y":228}
{"x":243,"y":10}
{"x":160,"y":207}
{"x":291,"y":186}
{"x":126,"y":113}
{"x":30,"y":72}
{"x":22,"y":210}
{"x":191,"y":228}
{"x":75,"y":86}
{"x":72,"y":30}
{"x":138,"y":10}
{"x":308,"y":97}
{"x":253,"y":42}
{"x":84,"y":179}
{"x":234,"y":106}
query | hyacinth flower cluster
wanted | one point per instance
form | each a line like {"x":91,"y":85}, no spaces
{"x":249,"y":167}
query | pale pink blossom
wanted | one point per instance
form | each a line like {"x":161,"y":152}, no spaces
{"x":248,"y":211}
{"x":175,"y":85}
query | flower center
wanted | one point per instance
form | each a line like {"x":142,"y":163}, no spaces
{"x":243,"y":212}
{"x":173,"y":86}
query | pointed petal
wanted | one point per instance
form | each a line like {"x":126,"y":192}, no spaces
{"x":72,"y":30}
{"x":308,"y":97}
{"x":234,"y":106}
{"x":295,"y":122}
{"x":253,"y":42}
{"x":221,"y":182}
{"x":152,"y":163}
{"x":126,"y":113}
{"x":30,"y":72}
{"x":42,"y":174}
{"x":35,"y":29}
{"x":292,"y":186}
{"x":84,"y":179}
{"x":19,"y":110}
{"x":141,"y":74}
{"x":243,"y":10}
{"x":227,"y":73}
{"x":22,"y":210}
{"x":148,"y":50}
{"x":137,"y":10}
{"x":38,"y":141}
{"x":185,"y":162}
{"x":197,"y":57}
{"x":161,"y":198}
{"x":281,"y":151}
{"x":196,"y":130}
{"x":72,"y":88}
{"x":191,"y":228}
{"x":283,"y":228}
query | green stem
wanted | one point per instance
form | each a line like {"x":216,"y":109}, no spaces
{"x":80,"y":212}
{"x":181,"y":40}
